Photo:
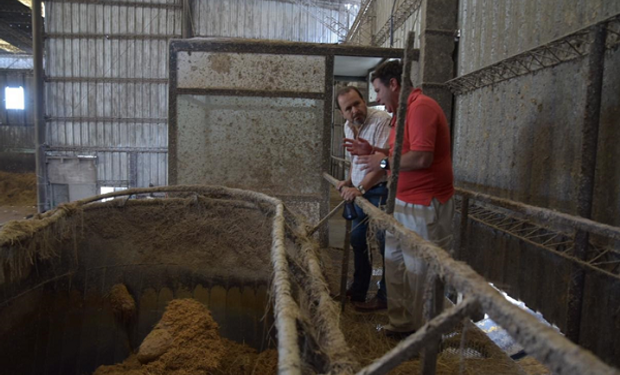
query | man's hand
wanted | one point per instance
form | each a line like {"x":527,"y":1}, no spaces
{"x":342,"y":184}
{"x":349,"y":193}
{"x":358,"y":146}
{"x":370,"y":163}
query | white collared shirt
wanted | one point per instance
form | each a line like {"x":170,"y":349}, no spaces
{"x":376,"y":130}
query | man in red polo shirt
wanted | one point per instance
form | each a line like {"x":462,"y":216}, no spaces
{"x":424,"y":200}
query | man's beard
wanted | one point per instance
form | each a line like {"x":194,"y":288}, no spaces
{"x":359,"y":121}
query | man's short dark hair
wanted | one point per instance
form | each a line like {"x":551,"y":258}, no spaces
{"x":388,"y":70}
{"x":345,"y":90}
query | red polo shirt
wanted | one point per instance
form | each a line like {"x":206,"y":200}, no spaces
{"x":426,"y":129}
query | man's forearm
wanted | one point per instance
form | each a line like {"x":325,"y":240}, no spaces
{"x":384,"y":151}
{"x":414,"y":160}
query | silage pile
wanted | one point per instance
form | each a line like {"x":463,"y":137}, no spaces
{"x":187,"y":341}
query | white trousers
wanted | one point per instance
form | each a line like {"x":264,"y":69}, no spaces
{"x":405,"y":274}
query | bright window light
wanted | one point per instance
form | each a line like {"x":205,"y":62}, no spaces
{"x":14,"y":97}
{"x":109,"y":189}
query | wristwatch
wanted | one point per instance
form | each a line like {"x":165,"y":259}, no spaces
{"x":385,"y":164}
{"x":361,"y":189}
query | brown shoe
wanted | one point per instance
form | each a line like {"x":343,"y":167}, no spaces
{"x":374,"y":304}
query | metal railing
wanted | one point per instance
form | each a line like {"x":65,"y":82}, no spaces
{"x":559,"y":354}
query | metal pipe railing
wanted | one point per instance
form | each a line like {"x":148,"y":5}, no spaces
{"x":559,"y":354}
{"x":549,"y":217}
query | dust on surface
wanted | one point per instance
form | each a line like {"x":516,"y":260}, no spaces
{"x":187,"y":341}
{"x":206,"y":237}
{"x":18,"y":189}
{"x":220,"y":63}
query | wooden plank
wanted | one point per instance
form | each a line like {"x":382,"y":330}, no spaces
{"x":249,"y":320}
{"x":201,"y":294}
{"x":234,"y":315}
{"x":217,"y":304}
{"x":147,"y":313}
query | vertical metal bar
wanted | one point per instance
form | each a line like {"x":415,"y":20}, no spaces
{"x":187,"y":30}
{"x":434,"y":305}
{"x":39,"y":121}
{"x":594,"y":88}
{"x":344,"y":272}
{"x":405,"y":88}
{"x":463,"y":228}
{"x":133,"y":169}
{"x":328,"y":115}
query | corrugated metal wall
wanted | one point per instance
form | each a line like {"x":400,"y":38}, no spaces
{"x":106,"y":85}
{"x":297,"y":21}
{"x":17,"y":125}
{"x":494,"y":30}
{"x":409,"y":22}
{"x":377,"y":23}
{"x":521,"y":139}
{"x":106,"y":70}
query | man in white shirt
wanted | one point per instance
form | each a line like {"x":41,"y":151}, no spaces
{"x":373,"y":126}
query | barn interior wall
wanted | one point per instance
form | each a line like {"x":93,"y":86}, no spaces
{"x":106,"y":69}
{"x":521,"y":139}
{"x":16,"y":125}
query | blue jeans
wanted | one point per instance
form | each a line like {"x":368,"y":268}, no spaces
{"x":363,"y":269}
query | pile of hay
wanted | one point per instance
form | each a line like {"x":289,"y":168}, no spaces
{"x":18,"y":189}
{"x":186,"y":341}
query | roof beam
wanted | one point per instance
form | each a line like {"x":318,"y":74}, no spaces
{"x":15,"y":37}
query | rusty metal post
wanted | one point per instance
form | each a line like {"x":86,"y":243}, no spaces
{"x":39,"y":120}
{"x":405,"y":88}
{"x":434,"y":306}
{"x":344,"y":272}
{"x":589,"y":146}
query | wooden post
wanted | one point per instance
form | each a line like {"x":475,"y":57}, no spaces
{"x":434,"y":297}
